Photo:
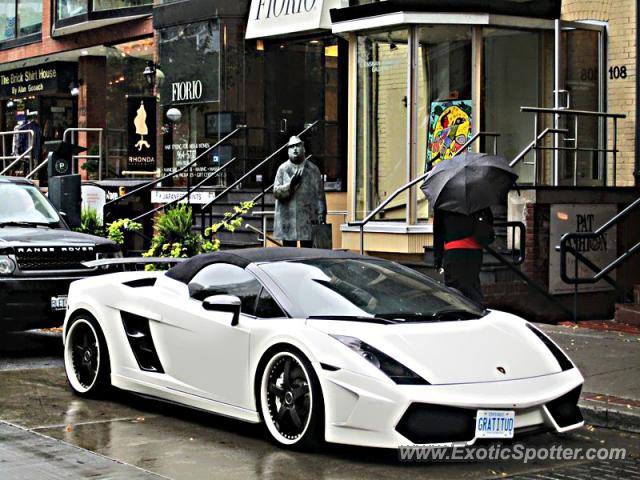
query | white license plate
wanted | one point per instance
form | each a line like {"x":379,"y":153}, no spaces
{"x":495,"y":423}
{"x":58,"y":303}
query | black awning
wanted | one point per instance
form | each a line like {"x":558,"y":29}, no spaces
{"x":546,"y":9}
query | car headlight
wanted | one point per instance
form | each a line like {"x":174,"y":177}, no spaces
{"x":564,"y":361}
{"x":7,"y":265}
{"x":390,"y":367}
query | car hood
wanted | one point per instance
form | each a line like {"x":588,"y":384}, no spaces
{"x":40,"y":237}
{"x":496,"y":347}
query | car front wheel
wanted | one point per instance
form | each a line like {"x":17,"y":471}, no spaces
{"x":86,"y":358}
{"x":291,"y":401}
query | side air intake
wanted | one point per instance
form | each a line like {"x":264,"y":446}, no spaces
{"x":141,"y":342}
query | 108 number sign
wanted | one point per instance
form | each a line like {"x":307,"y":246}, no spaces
{"x":617,"y":72}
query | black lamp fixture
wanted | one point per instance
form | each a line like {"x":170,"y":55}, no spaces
{"x":150,"y":73}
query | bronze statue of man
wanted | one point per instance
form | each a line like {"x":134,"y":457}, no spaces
{"x":300,"y":201}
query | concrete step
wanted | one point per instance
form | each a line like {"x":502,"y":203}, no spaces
{"x":628,"y":313}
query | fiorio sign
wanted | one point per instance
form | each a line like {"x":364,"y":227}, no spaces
{"x":182,"y":91}
{"x":190,"y":59}
{"x":277,"y":8}
{"x":281,"y":17}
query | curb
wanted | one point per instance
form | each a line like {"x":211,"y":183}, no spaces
{"x":608,"y":415}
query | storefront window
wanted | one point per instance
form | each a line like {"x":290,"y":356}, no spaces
{"x":126,"y":88}
{"x":381,"y":143}
{"x":115,"y":4}
{"x":301,"y":86}
{"x":445,"y":120}
{"x":517,"y":71}
{"x":190,"y":62}
{"x":7,"y":19}
{"x":71,"y":8}
{"x":28,"y":21}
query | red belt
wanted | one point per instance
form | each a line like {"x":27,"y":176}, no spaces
{"x":468,"y":243}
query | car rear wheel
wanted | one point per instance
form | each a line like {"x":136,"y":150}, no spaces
{"x":86,"y":358}
{"x":291,"y":401}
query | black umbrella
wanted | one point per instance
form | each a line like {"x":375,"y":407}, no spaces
{"x":469,"y":182}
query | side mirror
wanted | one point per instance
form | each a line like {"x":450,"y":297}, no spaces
{"x":64,"y":216}
{"x":224,"y":303}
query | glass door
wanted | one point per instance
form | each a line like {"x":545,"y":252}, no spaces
{"x":303,"y":87}
{"x":579,"y":87}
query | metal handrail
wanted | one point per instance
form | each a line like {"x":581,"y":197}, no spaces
{"x":398,"y":191}
{"x":533,"y":145}
{"x":190,"y":190}
{"x":557,"y":112}
{"x":264,"y":235}
{"x":586,"y":113}
{"x":565,"y":247}
{"x":74,"y":158}
{"x":37,"y":169}
{"x":254,"y":200}
{"x":527,"y":280}
{"x":522,"y":239}
{"x":174,"y":173}
{"x":246,"y":175}
{"x":17,"y":158}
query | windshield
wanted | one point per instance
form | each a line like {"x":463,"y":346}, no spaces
{"x":367,"y":288}
{"x":25,"y":204}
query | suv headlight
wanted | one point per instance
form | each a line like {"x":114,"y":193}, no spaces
{"x":7,"y":265}
{"x":390,"y":367}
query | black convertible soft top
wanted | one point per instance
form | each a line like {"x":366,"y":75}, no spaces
{"x":185,"y":271}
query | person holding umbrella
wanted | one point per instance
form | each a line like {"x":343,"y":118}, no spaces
{"x":458,"y":249}
{"x":462,"y":190}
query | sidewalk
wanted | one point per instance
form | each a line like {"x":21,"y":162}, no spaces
{"x":25,"y":454}
{"x":610,"y":363}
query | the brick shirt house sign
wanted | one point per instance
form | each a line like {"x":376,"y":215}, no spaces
{"x":566,"y":218}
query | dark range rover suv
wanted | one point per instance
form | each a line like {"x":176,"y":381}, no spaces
{"x":39,"y":257}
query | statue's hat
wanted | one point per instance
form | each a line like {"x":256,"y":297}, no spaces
{"x":294,"y":140}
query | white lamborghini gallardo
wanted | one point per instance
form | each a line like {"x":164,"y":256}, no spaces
{"x":319,"y":345}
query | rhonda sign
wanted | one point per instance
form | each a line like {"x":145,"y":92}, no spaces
{"x":141,"y":133}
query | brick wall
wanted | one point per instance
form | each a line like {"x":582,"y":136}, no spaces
{"x":620,"y":16}
{"x":98,"y":36}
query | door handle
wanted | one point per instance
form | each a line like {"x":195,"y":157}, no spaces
{"x":283,"y":125}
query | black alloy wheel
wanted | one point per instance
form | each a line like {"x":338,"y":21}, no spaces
{"x":85,"y":357}
{"x":291,"y":401}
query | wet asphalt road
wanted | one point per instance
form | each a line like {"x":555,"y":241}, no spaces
{"x":179,"y":443}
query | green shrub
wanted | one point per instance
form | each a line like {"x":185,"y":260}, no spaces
{"x":115,"y":230}
{"x":90,"y":223}
{"x":173,"y":237}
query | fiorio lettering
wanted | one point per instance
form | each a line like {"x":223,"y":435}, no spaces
{"x":277,"y":8}
{"x":181,"y":91}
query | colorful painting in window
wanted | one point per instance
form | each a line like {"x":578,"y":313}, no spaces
{"x":450,"y":127}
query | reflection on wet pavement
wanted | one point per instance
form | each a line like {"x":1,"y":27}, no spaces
{"x":31,"y":349}
{"x":181,"y":443}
